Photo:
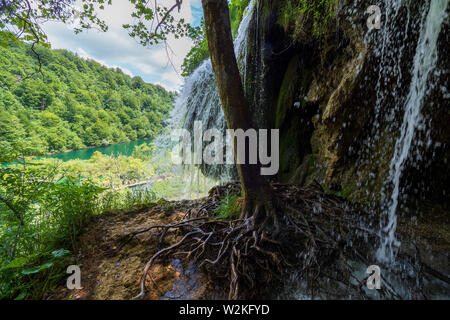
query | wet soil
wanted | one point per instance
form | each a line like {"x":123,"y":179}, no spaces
{"x":112,"y":272}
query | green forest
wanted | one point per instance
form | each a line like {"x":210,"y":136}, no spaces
{"x":53,"y":101}
{"x":56,"y":101}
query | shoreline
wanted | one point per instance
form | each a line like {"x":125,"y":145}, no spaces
{"x":87,"y":148}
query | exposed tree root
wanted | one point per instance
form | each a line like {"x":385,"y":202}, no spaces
{"x":306,"y":232}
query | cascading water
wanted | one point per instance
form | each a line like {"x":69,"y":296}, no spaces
{"x":424,"y":63}
{"x":199,"y":99}
{"x":402,"y":89}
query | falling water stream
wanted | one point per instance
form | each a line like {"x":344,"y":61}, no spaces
{"x":424,"y":63}
{"x":199,"y":102}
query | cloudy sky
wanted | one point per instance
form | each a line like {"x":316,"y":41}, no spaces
{"x":116,"y":48}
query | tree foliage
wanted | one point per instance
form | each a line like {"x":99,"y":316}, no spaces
{"x":24,"y":19}
{"x":156,"y":22}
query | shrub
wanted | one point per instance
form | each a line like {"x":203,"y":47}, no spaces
{"x":42,"y":210}
{"x":229,"y":207}
{"x":307,"y":19}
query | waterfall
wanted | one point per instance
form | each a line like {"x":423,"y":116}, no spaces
{"x":424,"y":63}
{"x":199,"y":98}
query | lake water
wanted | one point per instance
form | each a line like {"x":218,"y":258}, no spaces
{"x":125,"y":149}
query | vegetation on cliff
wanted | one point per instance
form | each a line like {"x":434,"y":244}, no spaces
{"x":307,"y":19}
{"x":57,"y":101}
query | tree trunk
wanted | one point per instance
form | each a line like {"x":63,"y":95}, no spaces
{"x":255,"y":188}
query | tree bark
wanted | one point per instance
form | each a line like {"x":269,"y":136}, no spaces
{"x":255,"y":187}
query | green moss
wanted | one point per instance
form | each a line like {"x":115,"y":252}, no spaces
{"x":237,"y":10}
{"x":346,"y":192}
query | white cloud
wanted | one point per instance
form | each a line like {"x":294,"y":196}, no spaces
{"x":116,"y":48}
{"x":83,"y":54}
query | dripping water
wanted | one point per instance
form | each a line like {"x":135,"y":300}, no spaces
{"x":424,"y":63}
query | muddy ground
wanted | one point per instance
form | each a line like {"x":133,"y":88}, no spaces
{"x":112,"y":272}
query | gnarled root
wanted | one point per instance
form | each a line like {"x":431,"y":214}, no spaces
{"x":314,"y":236}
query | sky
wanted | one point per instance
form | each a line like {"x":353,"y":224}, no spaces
{"x":116,"y":49}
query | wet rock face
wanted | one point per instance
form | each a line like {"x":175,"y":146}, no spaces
{"x":339,"y":101}
{"x":262,"y":80}
{"x":278,"y":73}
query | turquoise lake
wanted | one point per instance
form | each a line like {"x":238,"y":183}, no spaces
{"x":125,"y":149}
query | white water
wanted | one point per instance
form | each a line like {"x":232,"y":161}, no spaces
{"x":424,"y":63}
{"x":199,"y":99}
{"x":390,"y":45}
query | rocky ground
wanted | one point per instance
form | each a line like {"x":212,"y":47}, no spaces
{"x":112,"y":270}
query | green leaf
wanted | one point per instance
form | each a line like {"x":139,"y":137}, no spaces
{"x":32,"y":270}
{"x":21,"y":296}
{"x":37,"y":269}
{"x":60,"y":253}
{"x":16,"y":263}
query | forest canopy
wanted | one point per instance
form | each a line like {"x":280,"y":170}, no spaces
{"x":61,"y":102}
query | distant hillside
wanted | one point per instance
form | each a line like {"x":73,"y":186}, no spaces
{"x":73,"y":103}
